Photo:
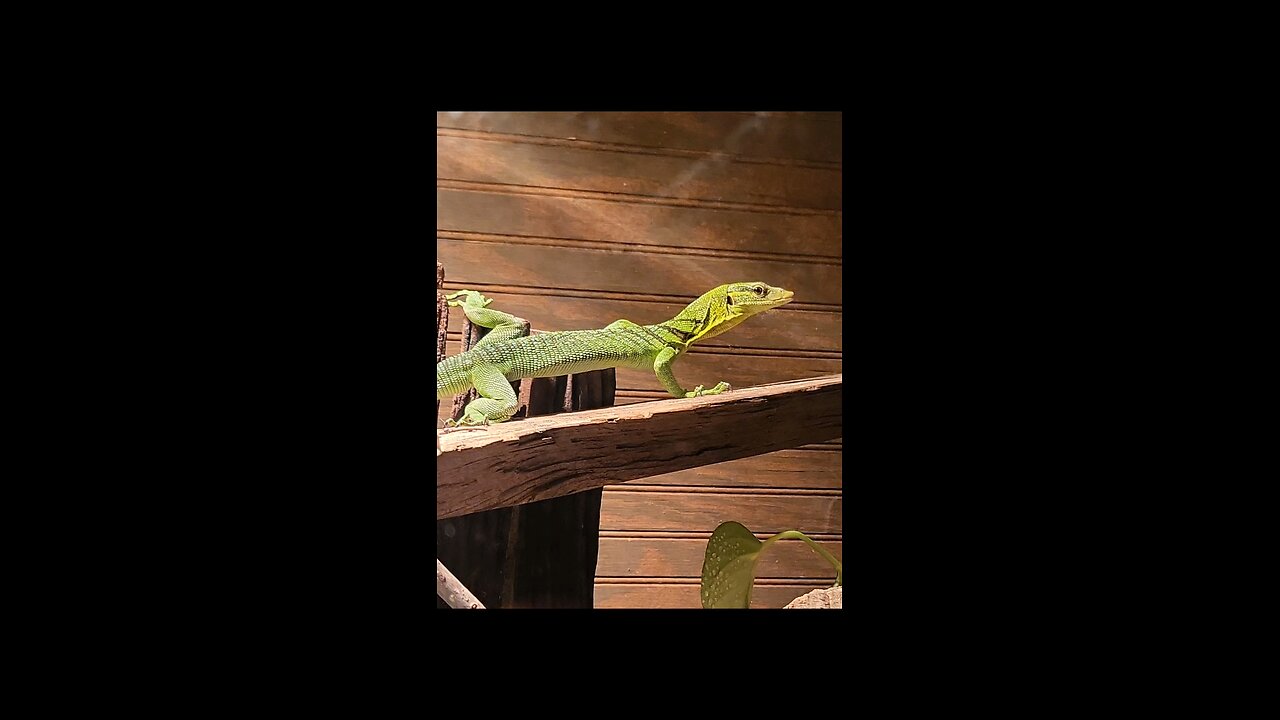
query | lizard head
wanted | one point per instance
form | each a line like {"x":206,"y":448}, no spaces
{"x":749,"y":298}
{"x":723,"y":308}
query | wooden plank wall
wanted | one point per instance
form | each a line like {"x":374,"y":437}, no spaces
{"x":573,"y":220}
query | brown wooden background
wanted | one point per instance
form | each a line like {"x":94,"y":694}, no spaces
{"x":574,"y":220}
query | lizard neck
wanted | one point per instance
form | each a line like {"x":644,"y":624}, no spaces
{"x":670,"y":334}
{"x":705,"y":317}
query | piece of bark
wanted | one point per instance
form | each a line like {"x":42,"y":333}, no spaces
{"x":442,"y":313}
{"x":442,"y":320}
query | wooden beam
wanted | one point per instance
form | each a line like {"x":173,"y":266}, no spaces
{"x":524,"y":461}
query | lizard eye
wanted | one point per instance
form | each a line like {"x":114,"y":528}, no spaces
{"x":759,"y":291}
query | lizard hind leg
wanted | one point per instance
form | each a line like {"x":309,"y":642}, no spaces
{"x":497,"y":400}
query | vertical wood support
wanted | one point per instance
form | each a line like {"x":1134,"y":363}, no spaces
{"x":442,"y":320}
{"x":543,"y":554}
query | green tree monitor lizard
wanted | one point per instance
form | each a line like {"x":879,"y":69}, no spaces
{"x":509,"y":352}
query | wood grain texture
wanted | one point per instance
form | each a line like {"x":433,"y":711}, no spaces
{"x":626,"y":510}
{"x":682,"y":253}
{"x":741,"y":373}
{"x":522,"y":461}
{"x":512,"y":213}
{"x":609,"y":270}
{"x":649,"y":557}
{"x":713,"y":178}
{"x":749,"y":135}
{"x":676,"y":596}
{"x":703,"y":535}
{"x":785,"y":469}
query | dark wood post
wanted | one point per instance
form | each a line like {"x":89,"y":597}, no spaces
{"x":541,"y":554}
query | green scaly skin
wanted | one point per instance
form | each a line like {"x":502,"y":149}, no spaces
{"x":508,"y":352}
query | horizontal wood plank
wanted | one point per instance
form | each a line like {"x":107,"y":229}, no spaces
{"x":740,"y":372}
{"x":524,"y":461}
{"x":622,"y":509}
{"x":756,"y":135}
{"x":671,"y":596}
{"x":719,"y":179}
{"x":650,"y":557}
{"x":511,"y":213}
{"x":572,"y":268}
{"x":785,"y":469}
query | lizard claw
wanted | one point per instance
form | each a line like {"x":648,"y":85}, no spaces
{"x":699,"y":392}
{"x":472,"y":297}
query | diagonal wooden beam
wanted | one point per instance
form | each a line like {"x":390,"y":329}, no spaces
{"x":452,"y":591}
{"x":523,"y":461}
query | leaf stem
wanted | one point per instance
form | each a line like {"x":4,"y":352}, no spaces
{"x":797,"y":535}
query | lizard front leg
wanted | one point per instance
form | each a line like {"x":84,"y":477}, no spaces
{"x":662,"y":368}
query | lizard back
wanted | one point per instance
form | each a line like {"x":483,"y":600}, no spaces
{"x":552,"y":354}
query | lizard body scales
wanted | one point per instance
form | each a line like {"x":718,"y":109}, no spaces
{"x":508,"y":352}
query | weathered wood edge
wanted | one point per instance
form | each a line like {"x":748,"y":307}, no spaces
{"x":529,"y":460}
{"x":453,"y":592}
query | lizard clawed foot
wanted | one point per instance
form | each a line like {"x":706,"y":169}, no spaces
{"x":473,"y":298}
{"x":470,"y":418}
{"x":699,"y":392}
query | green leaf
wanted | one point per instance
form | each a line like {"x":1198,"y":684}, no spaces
{"x":729,"y":567}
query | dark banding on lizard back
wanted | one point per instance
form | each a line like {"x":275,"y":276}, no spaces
{"x":649,"y":334}
{"x":684,"y":335}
